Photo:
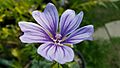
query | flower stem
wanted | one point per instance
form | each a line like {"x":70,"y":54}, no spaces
{"x":82,"y":63}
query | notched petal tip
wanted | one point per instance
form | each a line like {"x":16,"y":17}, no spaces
{"x":70,"y":10}
{"x":50,"y":4}
{"x":22,"y":39}
{"x":21,"y":22}
{"x":35,"y":12}
{"x":81,"y":14}
{"x":91,"y":27}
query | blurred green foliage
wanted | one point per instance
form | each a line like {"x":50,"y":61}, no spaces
{"x":14,"y":54}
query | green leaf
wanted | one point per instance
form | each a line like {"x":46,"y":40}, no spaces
{"x":56,"y":65}
{"x":6,"y":62}
{"x":65,"y":66}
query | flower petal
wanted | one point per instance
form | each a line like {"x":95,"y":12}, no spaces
{"x":84,"y":33}
{"x":48,"y":19}
{"x":60,"y":54}
{"x":33,"y":33}
{"x":65,"y":21}
{"x":43,"y":51}
{"x":52,"y":15}
{"x":64,"y":54}
{"x":72,"y":23}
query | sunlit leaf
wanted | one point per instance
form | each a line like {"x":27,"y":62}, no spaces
{"x":56,"y":65}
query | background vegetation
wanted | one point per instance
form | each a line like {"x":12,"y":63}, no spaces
{"x":97,"y":53}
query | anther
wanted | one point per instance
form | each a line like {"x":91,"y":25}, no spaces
{"x":58,"y":36}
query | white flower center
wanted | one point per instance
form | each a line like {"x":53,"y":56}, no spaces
{"x":57,"y":39}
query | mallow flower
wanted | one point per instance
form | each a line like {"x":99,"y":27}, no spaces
{"x":55,"y":34}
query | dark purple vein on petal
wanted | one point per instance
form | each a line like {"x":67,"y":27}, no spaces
{"x":55,"y":19}
{"x":55,"y":49}
{"x":45,"y":47}
{"x":63,"y":50}
{"x":67,"y":51}
{"x":48,"y":22}
{"x":63,"y":31}
{"x":39,"y":39}
{"x":44,"y":23}
{"x":52,"y":19}
{"x":48,"y":49}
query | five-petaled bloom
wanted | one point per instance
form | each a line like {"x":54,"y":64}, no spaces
{"x":55,"y":36}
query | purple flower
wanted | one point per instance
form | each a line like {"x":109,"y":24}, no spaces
{"x":55,"y":36}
